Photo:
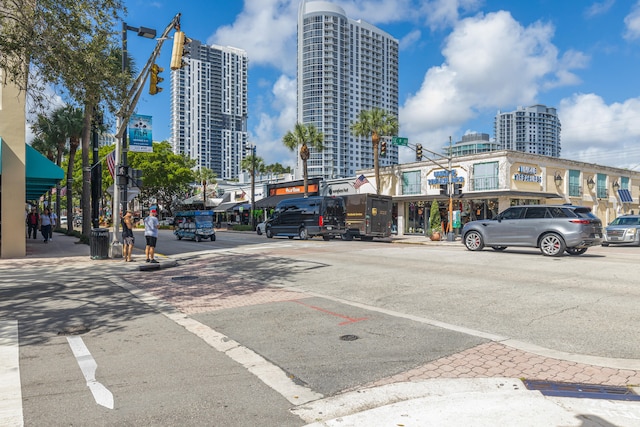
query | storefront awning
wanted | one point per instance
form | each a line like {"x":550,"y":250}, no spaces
{"x":509,"y":193}
{"x":226,"y":207}
{"x":41,"y":174}
{"x":272,"y":201}
{"x":625,"y":196}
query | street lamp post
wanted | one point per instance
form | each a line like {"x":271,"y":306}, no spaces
{"x":252,"y":147}
{"x":120,"y":193}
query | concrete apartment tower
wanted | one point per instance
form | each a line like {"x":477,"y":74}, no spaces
{"x":534,"y":129}
{"x":209,"y":108}
{"x":344,"y":66}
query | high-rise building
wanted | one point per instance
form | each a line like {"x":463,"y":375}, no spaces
{"x":534,"y":129}
{"x":344,"y":67}
{"x":209,"y":108}
{"x":472,"y":143}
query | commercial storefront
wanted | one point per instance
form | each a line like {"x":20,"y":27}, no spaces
{"x":485,"y":184}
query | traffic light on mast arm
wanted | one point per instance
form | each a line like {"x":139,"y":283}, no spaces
{"x":178,"y":52}
{"x":383,"y":148}
{"x":155,"y":79}
{"x":418,"y":152}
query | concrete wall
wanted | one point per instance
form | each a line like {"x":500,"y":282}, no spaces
{"x":13,"y":191}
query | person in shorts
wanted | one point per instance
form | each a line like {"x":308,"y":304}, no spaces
{"x":151,"y":235}
{"x":127,"y":236}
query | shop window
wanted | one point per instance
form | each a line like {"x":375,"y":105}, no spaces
{"x":485,"y":176}
{"x":601,"y":186}
{"x":575,"y":189}
{"x":411,"y":182}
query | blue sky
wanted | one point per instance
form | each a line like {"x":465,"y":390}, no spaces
{"x":460,"y":62}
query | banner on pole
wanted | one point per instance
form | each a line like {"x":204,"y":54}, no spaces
{"x":140,"y":139}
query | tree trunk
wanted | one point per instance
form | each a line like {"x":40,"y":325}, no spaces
{"x":304,"y":155}
{"x":86,"y":172}
{"x":73,"y":146}
{"x":375,"y":141}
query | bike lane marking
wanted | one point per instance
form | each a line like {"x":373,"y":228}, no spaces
{"x":88,"y":366}
{"x":10,"y":386}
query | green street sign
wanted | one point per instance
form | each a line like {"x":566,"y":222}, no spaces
{"x":396,"y":140}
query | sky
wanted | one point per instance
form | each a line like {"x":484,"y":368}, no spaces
{"x":461,"y":61}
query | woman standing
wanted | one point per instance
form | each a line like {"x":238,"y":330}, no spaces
{"x":127,"y":236}
{"x":45,"y":224}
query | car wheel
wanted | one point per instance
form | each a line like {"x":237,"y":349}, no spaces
{"x":269,"y":233}
{"x":552,"y":244}
{"x":473,"y":241}
{"x":213,"y":237}
{"x":259,"y":231}
{"x":326,"y":237}
{"x":290,"y":237}
{"x":198,"y":238}
{"x":179,"y":237}
{"x":498,"y":248}
{"x":303,"y":234}
{"x":605,"y":244}
{"x":576,"y":251}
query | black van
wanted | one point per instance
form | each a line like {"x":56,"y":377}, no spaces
{"x":308,"y":217}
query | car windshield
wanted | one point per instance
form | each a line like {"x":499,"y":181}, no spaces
{"x":204,"y":220}
{"x":626,"y":221}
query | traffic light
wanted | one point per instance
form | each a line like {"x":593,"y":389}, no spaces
{"x":383,"y":148}
{"x":457,"y":188}
{"x":179,"y":40}
{"x":121,"y":175}
{"x":155,"y":79}
{"x":136,"y":177}
{"x":418,"y":152}
{"x":443,"y":189}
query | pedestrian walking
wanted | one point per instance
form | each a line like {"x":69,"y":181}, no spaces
{"x":45,"y":224}
{"x":33,"y":220}
{"x":151,"y":235}
{"x":54,"y":223}
{"x":127,"y":236}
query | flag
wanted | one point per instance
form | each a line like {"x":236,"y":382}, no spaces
{"x":63,"y":191}
{"x":111,"y":162}
{"x":360,"y":182}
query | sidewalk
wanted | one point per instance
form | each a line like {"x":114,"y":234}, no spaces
{"x":481,"y":386}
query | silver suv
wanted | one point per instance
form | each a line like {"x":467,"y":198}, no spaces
{"x":624,"y":229}
{"x":552,"y":228}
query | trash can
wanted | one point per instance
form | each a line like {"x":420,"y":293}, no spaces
{"x":99,"y":243}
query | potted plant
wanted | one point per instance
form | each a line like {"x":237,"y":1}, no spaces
{"x":435,"y":222}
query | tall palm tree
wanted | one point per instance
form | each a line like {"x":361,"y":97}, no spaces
{"x":71,"y":123}
{"x":205,"y":176}
{"x":253,"y":164}
{"x":377,"y":123}
{"x":304,"y":136}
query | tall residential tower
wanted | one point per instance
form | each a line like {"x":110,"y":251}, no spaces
{"x":534,"y":129}
{"x":344,"y":66}
{"x":209,"y":108}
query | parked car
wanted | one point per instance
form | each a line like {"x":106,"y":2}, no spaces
{"x":260,"y":228}
{"x":553,"y":229}
{"x":63,"y":220}
{"x":308,"y":217}
{"x":624,"y":229}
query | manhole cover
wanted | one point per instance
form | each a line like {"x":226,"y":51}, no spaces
{"x":349,"y":337}
{"x":184,"y":278}
{"x":74,"y":330}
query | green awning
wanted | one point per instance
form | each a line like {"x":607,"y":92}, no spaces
{"x":41,"y":173}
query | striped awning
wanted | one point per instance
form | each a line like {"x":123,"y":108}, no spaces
{"x":625,"y":196}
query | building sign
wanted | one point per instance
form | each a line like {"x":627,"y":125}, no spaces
{"x":446,"y":177}
{"x":140,"y":134}
{"x":298,"y":189}
{"x":527,"y":174}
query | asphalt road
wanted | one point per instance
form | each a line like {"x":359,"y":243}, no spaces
{"x":332,"y":316}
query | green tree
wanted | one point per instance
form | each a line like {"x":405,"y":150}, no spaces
{"x":166,"y":176}
{"x":205,"y":176}
{"x":304,"y":136}
{"x":377,"y":123}
{"x":70,"y":122}
{"x":254,"y":164}
{"x":435,"y":222}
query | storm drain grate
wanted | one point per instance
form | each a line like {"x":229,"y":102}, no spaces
{"x":184,"y":278}
{"x":590,"y":391}
{"x":349,"y":337}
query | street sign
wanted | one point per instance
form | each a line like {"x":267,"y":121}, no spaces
{"x":396,"y":140}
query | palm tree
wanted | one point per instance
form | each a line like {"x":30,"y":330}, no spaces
{"x":304,"y":136}
{"x":71,"y":124}
{"x":205,"y":176}
{"x":253,"y":164}
{"x":377,"y":123}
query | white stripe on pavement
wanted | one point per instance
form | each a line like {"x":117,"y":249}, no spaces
{"x":10,"y":388}
{"x":88,"y":366}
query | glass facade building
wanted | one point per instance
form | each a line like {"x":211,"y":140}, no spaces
{"x":209,"y":108}
{"x":534,"y":130}
{"x":344,"y":67}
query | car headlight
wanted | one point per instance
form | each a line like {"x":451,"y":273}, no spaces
{"x":632,"y":231}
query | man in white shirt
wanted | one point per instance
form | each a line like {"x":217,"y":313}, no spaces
{"x":151,"y":235}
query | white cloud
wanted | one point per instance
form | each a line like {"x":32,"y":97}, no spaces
{"x":599,"y":8}
{"x":491,"y":62}
{"x":595,"y":132}
{"x":410,"y":39}
{"x":266,"y":29}
{"x":632,"y":23}
{"x":441,"y":14}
